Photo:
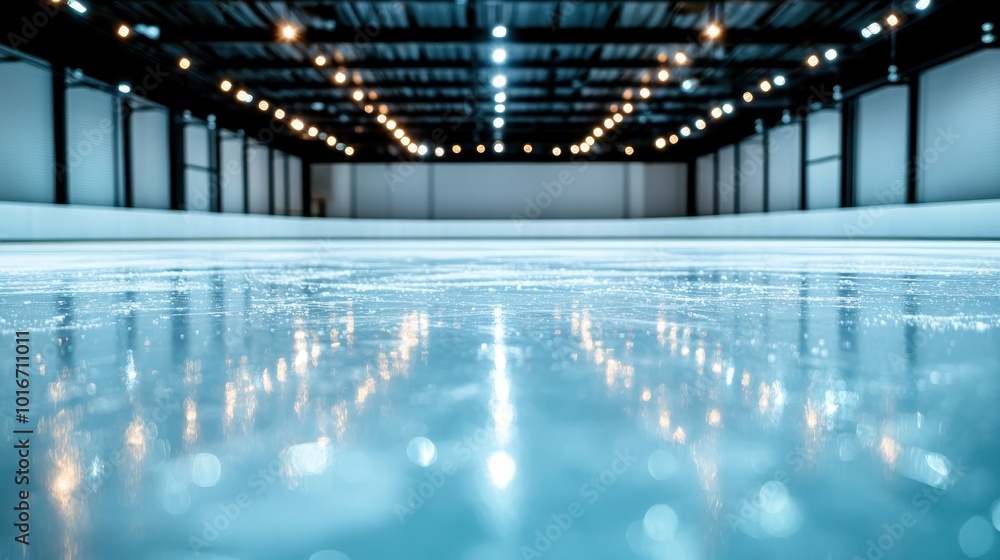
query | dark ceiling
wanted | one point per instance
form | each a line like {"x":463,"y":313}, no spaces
{"x":428,"y":65}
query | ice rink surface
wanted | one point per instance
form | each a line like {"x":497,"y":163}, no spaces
{"x":331,"y":400}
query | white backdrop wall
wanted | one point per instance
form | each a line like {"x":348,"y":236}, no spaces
{"x":881,"y":146}
{"x":959,"y":136}
{"x":501,"y":190}
{"x":93,"y":149}
{"x":823,"y":129}
{"x":27,"y":144}
{"x":150,"y":166}
{"x":726,"y":183}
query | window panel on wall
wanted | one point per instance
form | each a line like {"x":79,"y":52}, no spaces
{"x":280,"y":173}
{"x":258,"y":178}
{"x":149,"y":129}
{"x":705,"y":185}
{"x":823,"y":144}
{"x":295,"y":186}
{"x":959,"y":138}
{"x":726,"y":188}
{"x":784,"y":168}
{"x":881,"y":146}
{"x":92,"y":146}
{"x":27,"y":143}
{"x":196,"y":144}
{"x":231,"y":172}
{"x":751,"y":172}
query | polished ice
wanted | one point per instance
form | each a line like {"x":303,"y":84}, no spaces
{"x":361,"y":400}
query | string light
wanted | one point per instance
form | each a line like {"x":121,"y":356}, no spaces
{"x":813,"y":60}
{"x":369,"y":108}
{"x":412,"y":148}
{"x":727,"y":108}
{"x":660,"y":143}
{"x":499,"y":55}
{"x":598,"y":132}
{"x":556,"y":151}
{"x":399,"y":133}
{"x":263,"y":105}
{"x":499,"y":81}
{"x":627,"y":108}
{"x":499,"y":32}
{"x":358,"y":95}
{"x":320,"y":60}
{"x":617,"y":117}
{"x":574,"y":149}
{"x":685,"y":131}
{"x":714,"y":30}
{"x":700,"y":124}
{"x":349,"y":151}
{"x":527,"y":148}
{"x":226,"y":85}
{"x":498,"y":147}
{"x":298,"y":124}
{"x":717,"y":113}
{"x":609,"y":123}
{"x":481,"y":149}
{"x":289,"y":32}
{"x":279,"y":114}
{"x":391,"y":124}
{"x":644,"y":93}
{"x":331,"y":141}
{"x":340,"y":77}
{"x":779,"y":80}
{"x":765,"y":86}
{"x":663,"y":75}
{"x":456,"y":149}
{"x":313,"y":131}
{"x":748,"y":97}
{"x":500,"y":97}
{"x":629,"y":151}
{"x":831,"y":54}
{"x":422,"y":150}
{"x":124,"y":31}
{"x":674,"y":139}
{"x":439,"y":151}
{"x":681,"y":58}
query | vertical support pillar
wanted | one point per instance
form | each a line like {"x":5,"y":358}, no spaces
{"x":848,"y":129}
{"x":177,"y":162}
{"x":59,"y":130}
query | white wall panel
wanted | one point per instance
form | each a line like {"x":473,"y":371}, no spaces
{"x":529,"y":190}
{"x":823,"y":128}
{"x":150,"y":156}
{"x":92,"y":147}
{"x":959,"y":137}
{"x":295,"y":204}
{"x":27,"y":143}
{"x":231,"y":172}
{"x":665,"y":189}
{"x":197,"y":185}
{"x":726,"y":190}
{"x":705,"y":187}
{"x":824,"y":184}
{"x":751,"y":173}
{"x":784,"y":168}
{"x":881,"y":146}
{"x":257,"y":176}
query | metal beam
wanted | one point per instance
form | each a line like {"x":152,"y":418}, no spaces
{"x":243,"y":65}
{"x":201,"y":34}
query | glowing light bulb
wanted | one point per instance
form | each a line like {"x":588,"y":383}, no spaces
{"x":660,"y":143}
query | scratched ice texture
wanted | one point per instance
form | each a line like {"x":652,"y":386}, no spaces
{"x":363,"y":400}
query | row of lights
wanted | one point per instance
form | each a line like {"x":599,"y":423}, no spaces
{"x":125,"y":31}
{"x":714,"y":31}
{"x":499,"y":81}
{"x":296,"y":123}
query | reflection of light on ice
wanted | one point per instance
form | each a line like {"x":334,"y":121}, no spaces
{"x":205,"y":470}
{"x":421,"y":451}
{"x":308,"y":458}
{"x":501,"y":469}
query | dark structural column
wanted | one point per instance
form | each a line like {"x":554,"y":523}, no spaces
{"x":177,"y":190}
{"x":59,"y":130}
{"x":692,"y":187}
{"x":848,"y":129}
{"x":912,"y":140}
{"x":803,"y":166}
{"x":126,"y":112}
{"x":766,"y":170}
